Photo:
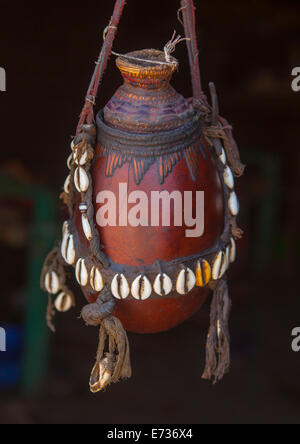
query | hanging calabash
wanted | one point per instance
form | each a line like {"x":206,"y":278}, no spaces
{"x":150,"y":192}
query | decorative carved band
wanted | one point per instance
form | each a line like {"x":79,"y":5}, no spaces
{"x":143,"y":150}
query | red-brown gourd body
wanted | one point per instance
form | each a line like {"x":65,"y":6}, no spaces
{"x":146,"y":104}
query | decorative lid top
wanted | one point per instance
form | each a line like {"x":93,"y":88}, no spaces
{"x":147,"y":68}
{"x":146,"y":102}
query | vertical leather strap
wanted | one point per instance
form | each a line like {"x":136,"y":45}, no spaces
{"x":87,"y":114}
{"x":189,"y":22}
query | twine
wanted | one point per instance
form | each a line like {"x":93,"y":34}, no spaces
{"x":179,"y":15}
{"x":91,"y":99}
{"x":137,"y":59}
{"x":169,"y":48}
{"x":106,"y":31}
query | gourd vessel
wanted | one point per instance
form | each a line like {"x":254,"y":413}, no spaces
{"x":151,"y":197}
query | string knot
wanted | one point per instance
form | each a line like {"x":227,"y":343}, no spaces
{"x":91,"y":99}
{"x":107,"y":29}
{"x":94,"y":314}
{"x":170,"y":47}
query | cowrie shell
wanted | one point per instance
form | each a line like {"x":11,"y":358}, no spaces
{"x":186,"y":281}
{"x":219,"y":328}
{"x":162,"y":285}
{"x":222,"y":157}
{"x":105,"y":379}
{"x":82,"y":275}
{"x":65,"y":239}
{"x":219,"y":266}
{"x":69,"y":161}
{"x":233,"y":204}
{"x":81,"y":180}
{"x":71,"y":255}
{"x":100,"y":376}
{"x":86,"y":227}
{"x":72,"y":145}
{"x":228,"y":178}
{"x":67,"y":184}
{"x":68,"y":248}
{"x":63,"y":302}
{"x":225,"y":265}
{"x":65,"y":228}
{"x":83,"y":159}
{"x":52,"y":284}
{"x":228,"y":256}
{"x":232,"y":250}
{"x":120,"y":287}
{"x":203,"y":273}
{"x":96,"y":280}
{"x":141,"y":288}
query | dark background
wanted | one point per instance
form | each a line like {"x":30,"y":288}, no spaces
{"x":248,"y":49}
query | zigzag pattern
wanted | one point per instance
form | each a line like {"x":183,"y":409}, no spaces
{"x":165,"y":163}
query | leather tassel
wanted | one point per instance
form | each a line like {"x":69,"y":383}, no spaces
{"x":218,"y":340}
{"x":113,"y":355}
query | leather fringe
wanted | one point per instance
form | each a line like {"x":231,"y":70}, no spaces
{"x":114,"y":364}
{"x":218,"y":340}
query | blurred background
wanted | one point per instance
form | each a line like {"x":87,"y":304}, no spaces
{"x":248,"y":49}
